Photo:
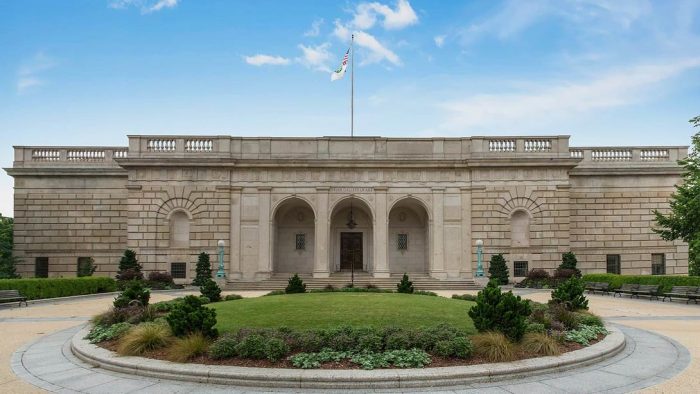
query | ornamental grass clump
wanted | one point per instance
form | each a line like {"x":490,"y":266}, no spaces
{"x":539,"y":344}
{"x":189,"y":347}
{"x":493,"y":346}
{"x":502,"y":312}
{"x":143,"y":338}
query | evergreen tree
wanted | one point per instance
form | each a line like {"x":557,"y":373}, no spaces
{"x":568,"y":261}
{"x":203,"y":270}
{"x":129,"y":267}
{"x":498,"y":269}
{"x":503,"y":312}
{"x":295,"y":285}
{"x":210,"y":290}
{"x":7,"y":261}
{"x":405,"y":286}
{"x":683,"y":220}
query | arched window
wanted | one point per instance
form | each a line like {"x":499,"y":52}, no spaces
{"x":179,"y":230}
{"x":520,"y":229}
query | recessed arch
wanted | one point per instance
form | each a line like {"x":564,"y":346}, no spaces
{"x":179,"y":228}
{"x":292,"y":197}
{"x":408,"y":236}
{"x":415,"y":199}
{"x":520,"y":228}
{"x":293,"y":236}
{"x":351,"y":247}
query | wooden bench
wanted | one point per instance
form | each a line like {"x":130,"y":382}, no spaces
{"x":12,"y":296}
{"x":627,"y":288}
{"x":687,"y":292}
{"x":602,"y":287}
{"x":651,"y":291}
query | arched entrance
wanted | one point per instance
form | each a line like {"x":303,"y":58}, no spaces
{"x":351,"y":236}
{"x":294,"y":237}
{"x":408,"y":237}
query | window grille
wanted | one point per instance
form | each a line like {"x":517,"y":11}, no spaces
{"x":300,"y":242}
{"x":402,"y":242}
{"x":519,"y":268}
{"x":658,"y":264}
{"x":41,"y":267}
{"x":178,"y":270}
{"x":613,"y":264}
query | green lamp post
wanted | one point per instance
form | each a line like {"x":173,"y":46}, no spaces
{"x":221,"y":273}
{"x":479,"y":263}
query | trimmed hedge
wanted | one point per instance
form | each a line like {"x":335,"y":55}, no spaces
{"x":666,"y":281}
{"x":37,"y":288}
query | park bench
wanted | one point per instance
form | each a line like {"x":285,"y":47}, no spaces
{"x":602,"y":287}
{"x":12,"y":296}
{"x":626,"y":288}
{"x":687,"y":292}
{"x":651,"y":291}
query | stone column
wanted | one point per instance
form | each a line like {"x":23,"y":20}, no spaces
{"x":466,"y":268}
{"x":234,"y":270}
{"x":321,"y":247}
{"x":437,"y":268}
{"x":264,"y":241}
{"x":381,"y":267}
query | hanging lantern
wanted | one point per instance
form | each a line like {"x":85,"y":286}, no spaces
{"x":351,"y":220}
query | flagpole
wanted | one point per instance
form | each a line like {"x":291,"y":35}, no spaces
{"x":352,"y":87}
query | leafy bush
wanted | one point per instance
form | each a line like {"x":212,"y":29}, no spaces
{"x":204,"y":300}
{"x":160,"y":280}
{"x":537,"y":274}
{"x":295,"y":285}
{"x":568,"y":262}
{"x":564,"y":274}
{"x":584,"y":334}
{"x":405,"y":286}
{"x":309,"y":341}
{"x":183,"y":349}
{"x":232,"y":297}
{"x":203,"y":270}
{"x":133,"y":314}
{"x":498,"y":270}
{"x":665,"y":281}
{"x":224,"y":347}
{"x":105,"y":333}
{"x":561,"y":314}
{"x":535,"y":328}
{"x":86,"y":268}
{"x":144,"y":337}
{"x":465,"y":297}
{"x":127,"y":276}
{"x":275,"y":349}
{"x":414,"y":358}
{"x":211,"y":290}
{"x":38,"y":288}
{"x":588,"y":319}
{"x":166,"y":306}
{"x":493,"y":346}
{"x":133,"y":293}
{"x":370,"y":342}
{"x":460,"y":347}
{"x":571,"y":294}
{"x":503,"y":312}
{"x":540,"y":344}
{"x":190,"y":316}
{"x":252,"y":346}
{"x":425,"y":293}
{"x":128,"y":262}
{"x":314,"y":360}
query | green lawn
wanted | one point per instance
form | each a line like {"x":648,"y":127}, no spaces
{"x":324,"y":310}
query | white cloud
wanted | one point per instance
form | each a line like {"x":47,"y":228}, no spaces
{"x":266,"y":60}
{"x":146,"y":6}
{"x":376,"y":51}
{"x":365,"y":15}
{"x":341,"y":31}
{"x":315,"y":57}
{"x":315,"y":29}
{"x":29,"y":73}
{"x":539,"y":105}
{"x":439,"y":40}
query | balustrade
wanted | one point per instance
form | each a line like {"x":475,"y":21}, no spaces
{"x":501,"y":145}
{"x":199,"y":145}
{"x":161,"y":145}
{"x":45,"y":155}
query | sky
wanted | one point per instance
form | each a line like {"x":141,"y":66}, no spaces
{"x":89,"y":72}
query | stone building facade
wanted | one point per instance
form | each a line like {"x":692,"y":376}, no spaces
{"x":320,"y":206}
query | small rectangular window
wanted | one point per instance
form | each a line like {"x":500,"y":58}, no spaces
{"x":520,"y":268}
{"x":178,"y":270}
{"x":41,"y":267}
{"x":300,"y":242}
{"x":658,"y":264}
{"x":402,"y":242}
{"x":612,"y":262}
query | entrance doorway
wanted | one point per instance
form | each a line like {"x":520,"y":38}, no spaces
{"x":351,"y":251}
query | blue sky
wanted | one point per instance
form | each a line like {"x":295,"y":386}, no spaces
{"x":607,"y":72}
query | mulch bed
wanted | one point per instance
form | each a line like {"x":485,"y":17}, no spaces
{"x":161,"y":354}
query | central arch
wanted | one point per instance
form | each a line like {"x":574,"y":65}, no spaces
{"x":351,"y":246}
{"x":294,"y":237}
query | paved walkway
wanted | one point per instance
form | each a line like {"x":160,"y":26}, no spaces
{"x":651,"y":361}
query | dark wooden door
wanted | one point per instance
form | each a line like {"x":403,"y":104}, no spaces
{"x":351,"y":251}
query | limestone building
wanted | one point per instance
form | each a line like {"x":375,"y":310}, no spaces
{"x":321,"y":206}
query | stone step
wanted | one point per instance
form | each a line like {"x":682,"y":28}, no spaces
{"x":339,"y":280}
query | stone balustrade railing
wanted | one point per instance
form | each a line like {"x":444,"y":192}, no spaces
{"x":625,"y":155}
{"x":69,"y":156}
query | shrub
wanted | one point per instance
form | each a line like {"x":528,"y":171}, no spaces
{"x":498,"y":270}
{"x":568,"y":261}
{"x":537,"y":274}
{"x":405,"y":286}
{"x":275,"y":349}
{"x":400,"y":339}
{"x":127,"y":276}
{"x":665,"y":281}
{"x":540,"y":344}
{"x":571,"y":294}
{"x":190,"y":316}
{"x":105,"y":333}
{"x":183,"y":349}
{"x":425,"y":293}
{"x":160,"y":280}
{"x":460,"y":347}
{"x":275,"y":292}
{"x":86,"y":268}
{"x":144,"y":337}
{"x":133,"y":314}
{"x":252,"y":346}
{"x":231,"y":297}
{"x":465,"y":297}
{"x":503,"y":312}
{"x":128,"y":262}
{"x":535,"y":327}
{"x":564,"y":274}
{"x":224,"y":347}
{"x":493,"y":346}
{"x":563,"y":315}
{"x":211,"y":290}
{"x":584,"y":334}
{"x":203,"y":270}
{"x":166,"y":306}
{"x":204,"y":300}
{"x":309,"y":341}
{"x":133,"y":293}
{"x":588,"y":319}
{"x":295,"y":285}
{"x":370,"y":342}
{"x":38,"y":288}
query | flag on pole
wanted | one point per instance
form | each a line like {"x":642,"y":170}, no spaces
{"x":340,"y":71}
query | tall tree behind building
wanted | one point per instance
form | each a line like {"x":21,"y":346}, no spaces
{"x":7,"y":261}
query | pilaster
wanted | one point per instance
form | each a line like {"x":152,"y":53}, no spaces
{"x":466,"y":266}
{"x":264,"y":240}
{"x":321,"y":257}
{"x":381,"y":267}
{"x":234,"y":270}
{"x":437,"y":267}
